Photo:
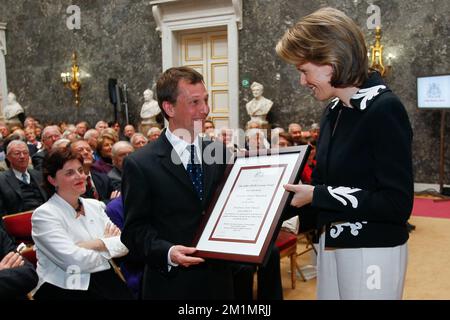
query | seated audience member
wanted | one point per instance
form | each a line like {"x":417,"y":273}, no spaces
{"x":100,"y":126}
{"x":119,"y":151}
{"x":74,"y":238}
{"x":111,"y":132}
{"x":61,"y":143}
{"x":20,"y":187}
{"x":115,"y":126}
{"x":295,"y":130}
{"x":30,"y":136}
{"x":256,"y":140}
{"x":81,"y":128}
{"x":314,"y":132}
{"x":282,"y":140}
{"x":17,"y":275}
{"x":49,"y":135}
{"x":91,"y":136}
{"x":98,"y":185}
{"x":253,"y":125}
{"x":104,"y":149}
{"x":128,"y":131}
{"x":132,"y":269}
{"x":29,"y":122}
{"x":227,"y":138}
{"x":153,"y":133}
{"x":70,"y":135}
{"x":38,"y":132}
{"x":209,"y":130}
{"x":63,"y":126}
{"x":19,"y":134}
{"x":138,"y":140}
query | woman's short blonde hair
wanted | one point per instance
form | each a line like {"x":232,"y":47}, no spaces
{"x":328,"y":37}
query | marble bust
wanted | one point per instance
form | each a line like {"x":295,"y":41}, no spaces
{"x":258,"y":107}
{"x":150,"y":109}
{"x":13,"y":110}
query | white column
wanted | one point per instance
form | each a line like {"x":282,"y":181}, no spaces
{"x":233,"y":69}
{"x":3,"y":83}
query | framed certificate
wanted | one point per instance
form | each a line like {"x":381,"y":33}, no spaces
{"x":242,"y":219}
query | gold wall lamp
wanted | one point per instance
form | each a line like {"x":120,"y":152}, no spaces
{"x":376,"y":54}
{"x":71,"y":79}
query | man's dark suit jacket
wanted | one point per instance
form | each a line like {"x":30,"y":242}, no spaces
{"x":38,"y":158}
{"x":15,"y":283}
{"x":162,"y":209}
{"x":11,"y":198}
{"x":103,"y":185}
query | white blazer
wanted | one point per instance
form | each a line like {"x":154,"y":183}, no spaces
{"x":55,"y":233}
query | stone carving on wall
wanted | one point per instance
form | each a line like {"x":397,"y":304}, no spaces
{"x":258,"y":107}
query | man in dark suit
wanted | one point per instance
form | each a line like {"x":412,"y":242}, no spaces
{"x":20,"y":188}
{"x":164,"y":207}
{"x":50,"y":135}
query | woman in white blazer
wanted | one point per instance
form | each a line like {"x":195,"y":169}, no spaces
{"x":74,"y":238}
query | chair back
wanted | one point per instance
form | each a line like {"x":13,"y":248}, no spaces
{"x":19,"y":226}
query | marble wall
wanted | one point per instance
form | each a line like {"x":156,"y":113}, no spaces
{"x":416,"y":32}
{"x":117,"y":39}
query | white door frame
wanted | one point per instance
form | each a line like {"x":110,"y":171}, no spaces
{"x":173,"y":16}
{"x":3,"y":83}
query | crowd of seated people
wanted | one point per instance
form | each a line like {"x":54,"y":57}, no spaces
{"x":98,"y":155}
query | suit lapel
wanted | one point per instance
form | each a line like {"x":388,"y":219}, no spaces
{"x":13,"y":182}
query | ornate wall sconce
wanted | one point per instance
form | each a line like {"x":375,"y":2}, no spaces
{"x":71,"y":79}
{"x":376,"y":54}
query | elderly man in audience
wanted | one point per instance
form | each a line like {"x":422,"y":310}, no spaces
{"x":91,"y":137}
{"x":314,"y":132}
{"x":98,"y":185}
{"x":120,"y":150}
{"x":20,"y":187}
{"x":226,"y":136}
{"x":129,"y":131}
{"x":4,"y":131}
{"x":295,"y":130}
{"x":49,"y":135}
{"x":138,"y":140}
{"x":81,"y":128}
{"x":100,"y":126}
{"x":17,"y":275}
{"x":153,"y":133}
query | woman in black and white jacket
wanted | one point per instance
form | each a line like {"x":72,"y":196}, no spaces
{"x":362,"y":187}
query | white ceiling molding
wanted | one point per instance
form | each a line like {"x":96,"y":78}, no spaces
{"x":177,"y":11}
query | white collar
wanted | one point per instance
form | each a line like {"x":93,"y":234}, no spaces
{"x":180,"y":147}
{"x":18,"y":175}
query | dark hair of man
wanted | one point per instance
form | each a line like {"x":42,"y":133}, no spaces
{"x":328,"y":37}
{"x":54,"y":161}
{"x":167,"y":85}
